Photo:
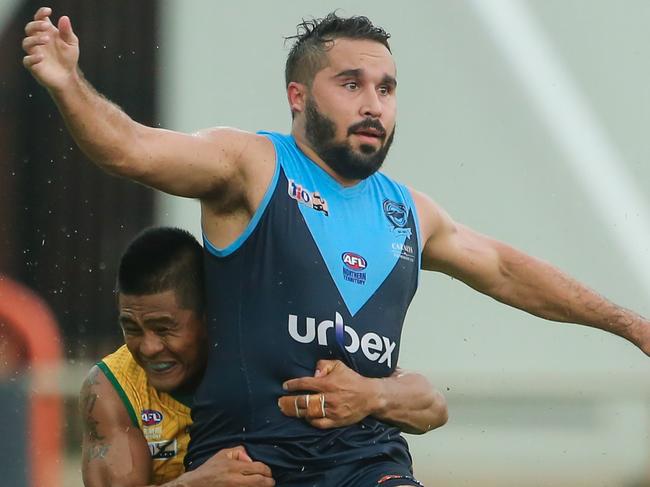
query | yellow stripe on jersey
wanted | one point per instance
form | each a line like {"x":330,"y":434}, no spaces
{"x":164,"y":420}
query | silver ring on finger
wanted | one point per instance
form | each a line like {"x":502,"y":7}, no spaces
{"x":322,"y":404}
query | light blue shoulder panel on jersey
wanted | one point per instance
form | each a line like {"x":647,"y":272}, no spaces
{"x":252,"y":224}
{"x":360,"y":231}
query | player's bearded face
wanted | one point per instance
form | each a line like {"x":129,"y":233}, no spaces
{"x":341,"y":156}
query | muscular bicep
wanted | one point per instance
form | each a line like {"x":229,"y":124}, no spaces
{"x":458,"y":251}
{"x":207,"y":164}
{"x":114,"y":451}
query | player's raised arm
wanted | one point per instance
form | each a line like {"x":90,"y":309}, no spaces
{"x":201,"y":165}
{"x":337,"y":396}
{"x":519,"y":280}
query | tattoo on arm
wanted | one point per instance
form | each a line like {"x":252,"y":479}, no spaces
{"x":98,"y":451}
{"x":88,"y":397}
{"x":87,"y":404}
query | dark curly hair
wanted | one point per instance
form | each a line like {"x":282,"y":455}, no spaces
{"x":316,"y":36}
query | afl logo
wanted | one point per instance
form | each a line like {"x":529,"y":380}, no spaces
{"x":151,"y":417}
{"x":354,"y":261}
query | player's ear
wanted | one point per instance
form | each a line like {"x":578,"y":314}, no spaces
{"x":297,"y":96}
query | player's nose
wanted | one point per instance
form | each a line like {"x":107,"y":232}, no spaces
{"x":151,"y":345}
{"x":371,"y":104}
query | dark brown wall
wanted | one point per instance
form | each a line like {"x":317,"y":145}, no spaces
{"x":63,"y":222}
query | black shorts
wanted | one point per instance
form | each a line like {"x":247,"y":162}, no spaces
{"x":369,"y":473}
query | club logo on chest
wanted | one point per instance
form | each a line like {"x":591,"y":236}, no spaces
{"x":397,"y":215}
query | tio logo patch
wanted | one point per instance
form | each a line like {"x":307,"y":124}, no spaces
{"x":311,"y":199}
{"x":354,"y":267}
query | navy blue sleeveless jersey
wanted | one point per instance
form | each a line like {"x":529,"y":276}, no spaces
{"x":321,"y":272}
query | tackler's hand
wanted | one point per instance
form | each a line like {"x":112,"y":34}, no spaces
{"x":335,"y":396}
{"x":229,"y":467}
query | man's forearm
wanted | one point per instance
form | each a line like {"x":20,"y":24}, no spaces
{"x":99,"y":127}
{"x":541,"y":289}
{"x":181,"y":481}
{"x":408,"y":401}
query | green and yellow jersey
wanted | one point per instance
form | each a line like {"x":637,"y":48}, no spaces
{"x":163,"y":418}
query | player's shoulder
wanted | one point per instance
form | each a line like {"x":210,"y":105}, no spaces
{"x":113,"y":386}
{"x":110,"y":369}
{"x":120,"y":364}
{"x":423,"y":203}
{"x":224,"y":133}
{"x":233,"y":139}
{"x":98,"y":398}
{"x":247,"y":150}
{"x":103,"y":414}
{"x":124,"y":374}
{"x":433,"y":218}
{"x":93,"y":381}
{"x":422,"y":200}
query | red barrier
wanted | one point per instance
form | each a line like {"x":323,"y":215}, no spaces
{"x":34,"y":323}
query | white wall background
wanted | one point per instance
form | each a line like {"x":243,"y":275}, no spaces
{"x":526,"y":120}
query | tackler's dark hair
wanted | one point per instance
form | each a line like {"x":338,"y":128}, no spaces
{"x":162,"y":259}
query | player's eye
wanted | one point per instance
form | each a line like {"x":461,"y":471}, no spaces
{"x":131,"y":330}
{"x":384,"y":90}
{"x":351,"y":85}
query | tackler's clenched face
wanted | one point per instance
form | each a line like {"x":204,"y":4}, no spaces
{"x":166,"y":340}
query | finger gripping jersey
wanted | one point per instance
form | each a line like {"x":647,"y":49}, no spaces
{"x":163,"y":419}
{"x":321,"y":272}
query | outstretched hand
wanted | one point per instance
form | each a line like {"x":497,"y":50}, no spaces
{"x":52,"y":51}
{"x":335,"y":396}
